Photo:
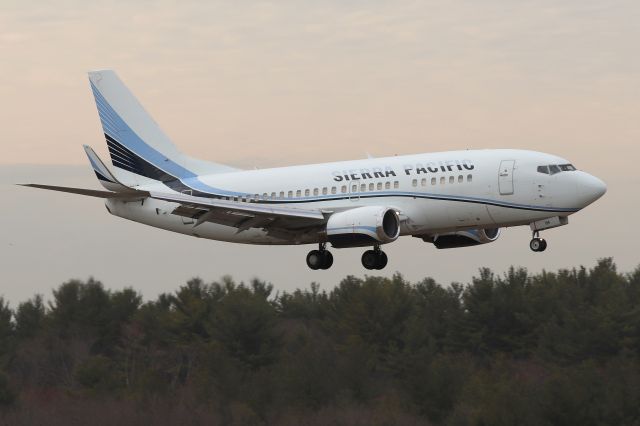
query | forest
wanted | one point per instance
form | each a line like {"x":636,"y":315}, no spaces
{"x":552,"y":348}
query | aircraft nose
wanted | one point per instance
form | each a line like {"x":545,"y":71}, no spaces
{"x":591,"y":188}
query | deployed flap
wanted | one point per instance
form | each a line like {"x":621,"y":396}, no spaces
{"x":242,"y":215}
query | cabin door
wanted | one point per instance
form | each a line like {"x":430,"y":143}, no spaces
{"x":505,"y":177}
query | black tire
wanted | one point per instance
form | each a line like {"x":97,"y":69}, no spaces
{"x":369,"y":259}
{"x":327,"y":259}
{"x":535,"y":244}
{"x":382,"y":260}
{"x":543,"y":244}
{"x":315,"y":259}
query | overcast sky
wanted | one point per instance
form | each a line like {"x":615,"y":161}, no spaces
{"x":256,"y":84}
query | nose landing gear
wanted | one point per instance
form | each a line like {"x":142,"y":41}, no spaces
{"x":320,"y":259}
{"x":374,"y":259}
{"x":537,"y":244}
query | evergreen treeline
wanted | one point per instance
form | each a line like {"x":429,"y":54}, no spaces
{"x":548,"y":349}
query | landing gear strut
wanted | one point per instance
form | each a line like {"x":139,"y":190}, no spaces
{"x":320,"y":259}
{"x":374,"y":259}
{"x":537,"y":244}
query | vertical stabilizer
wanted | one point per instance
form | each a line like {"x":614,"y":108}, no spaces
{"x":140,"y":151}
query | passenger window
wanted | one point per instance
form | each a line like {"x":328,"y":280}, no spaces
{"x":423,"y":182}
{"x":371,"y":187}
{"x":344,"y":189}
{"x":442,"y":180}
{"x":273,"y":195}
{"x":543,"y":169}
{"x":298,"y":193}
{"x":306,"y":192}
{"x":469,"y":178}
{"x":379,"y":186}
{"x":290,"y":194}
{"x":387,"y":185}
{"x":433,"y":181}
{"x":363,"y":187}
{"x":265,"y":196}
{"x":333,"y":189}
{"x":354,"y":188}
{"x":281,"y":194}
{"x":396,"y":184}
{"x":315,"y":191}
{"x":414,"y":182}
{"x":451,"y":179}
{"x":324,"y":191}
{"x":460,"y":179}
{"x":554,"y":169}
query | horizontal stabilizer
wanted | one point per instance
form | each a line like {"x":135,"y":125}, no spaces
{"x":106,"y":178}
{"x":88,"y":192}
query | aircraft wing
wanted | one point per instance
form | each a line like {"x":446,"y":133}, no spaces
{"x":242,"y":215}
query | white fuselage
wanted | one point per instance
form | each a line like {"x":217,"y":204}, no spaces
{"x":434,"y":193}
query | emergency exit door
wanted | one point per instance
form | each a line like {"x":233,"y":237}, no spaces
{"x":505,"y":177}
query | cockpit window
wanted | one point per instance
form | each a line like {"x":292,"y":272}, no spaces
{"x":567,"y":167}
{"x":554,"y":169}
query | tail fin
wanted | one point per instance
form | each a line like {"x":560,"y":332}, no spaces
{"x":139,"y":149}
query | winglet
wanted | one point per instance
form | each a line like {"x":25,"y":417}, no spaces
{"x":106,"y":178}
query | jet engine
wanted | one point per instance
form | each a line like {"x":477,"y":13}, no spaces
{"x":467,"y":238}
{"x":363,"y":226}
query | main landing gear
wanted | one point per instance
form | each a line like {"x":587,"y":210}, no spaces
{"x":323,"y":259}
{"x":537,"y":244}
{"x":320,"y":259}
{"x":374,"y":259}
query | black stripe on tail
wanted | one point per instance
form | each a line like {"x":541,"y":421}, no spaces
{"x":125,"y":159}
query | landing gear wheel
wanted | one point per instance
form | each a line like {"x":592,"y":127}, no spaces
{"x":369,"y":259}
{"x":374,"y":259}
{"x":538,"y":244}
{"x":315,"y":259}
{"x":327,"y":259}
{"x":382,"y":260}
{"x":543,"y":246}
{"x":319,"y":259}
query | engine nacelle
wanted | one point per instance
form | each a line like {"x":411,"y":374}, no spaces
{"x":470,"y":237}
{"x":363,"y":226}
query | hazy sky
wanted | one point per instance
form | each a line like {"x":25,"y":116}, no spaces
{"x":258,"y":84}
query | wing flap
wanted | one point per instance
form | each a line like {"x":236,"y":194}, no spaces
{"x":242,"y":215}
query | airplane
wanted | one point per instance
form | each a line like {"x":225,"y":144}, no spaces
{"x":449,"y":199}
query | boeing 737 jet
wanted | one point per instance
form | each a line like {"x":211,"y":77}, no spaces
{"x":449,"y":199}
